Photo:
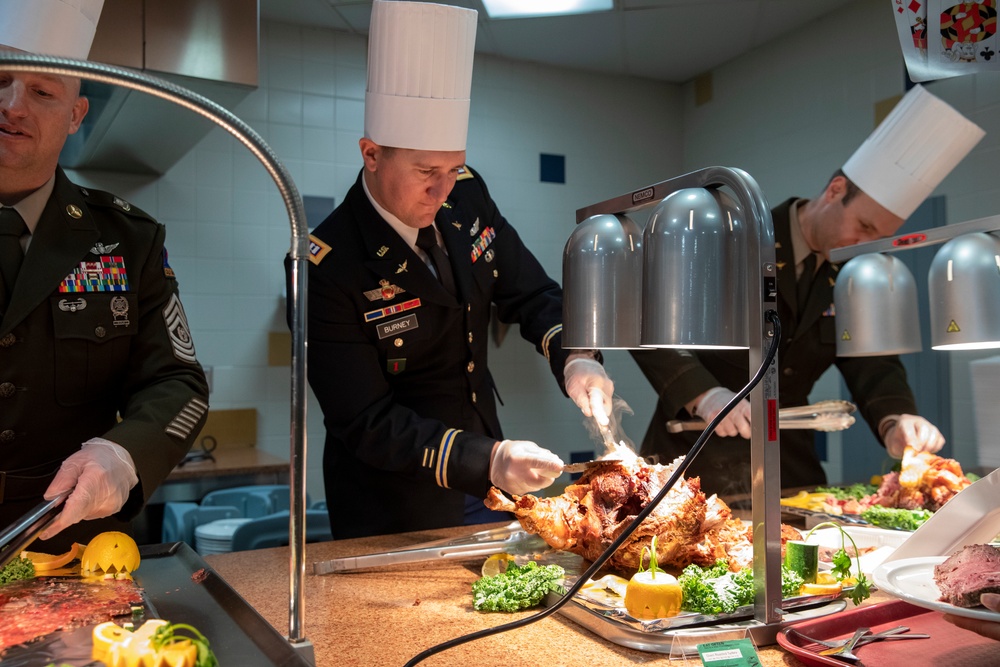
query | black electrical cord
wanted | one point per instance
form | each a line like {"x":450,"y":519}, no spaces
{"x":699,"y":444}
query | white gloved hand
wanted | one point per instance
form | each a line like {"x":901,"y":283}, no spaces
{"x":519,"y":466}
{"x":100,"y":475}
{"x":589,"y":387}
{"x":914,"y":431}
{"x":737,"y":422}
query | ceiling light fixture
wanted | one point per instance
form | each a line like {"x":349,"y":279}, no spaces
{"x":520,"y":9}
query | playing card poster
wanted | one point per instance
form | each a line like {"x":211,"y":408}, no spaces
{"x":944,"y":38}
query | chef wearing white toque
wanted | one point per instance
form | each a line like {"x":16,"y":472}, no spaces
{"x":100,"y":391}
{"x":883,"y":182}
{"x":403,"y":277}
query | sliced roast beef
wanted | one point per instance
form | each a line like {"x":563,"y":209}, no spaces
{"x":968,"y":573}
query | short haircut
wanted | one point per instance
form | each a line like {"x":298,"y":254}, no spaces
{"x":852,"y":188}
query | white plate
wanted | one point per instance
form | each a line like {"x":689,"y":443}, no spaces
{"x":912,"y":579}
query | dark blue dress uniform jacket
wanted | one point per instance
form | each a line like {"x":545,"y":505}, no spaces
{"x":72,"y":363}
{"x":808,"y":347}
{"x":399,"y":365}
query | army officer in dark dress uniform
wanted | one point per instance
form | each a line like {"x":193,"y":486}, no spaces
{"x":402,"y":280}
{"x":877,"y":189}
{"x":100,"y":390}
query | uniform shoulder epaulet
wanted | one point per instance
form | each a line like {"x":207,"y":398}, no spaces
{"x":107,"y":200}
{"x":464,"y":173}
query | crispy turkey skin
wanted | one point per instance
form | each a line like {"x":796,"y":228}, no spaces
{"x":594,"y":511}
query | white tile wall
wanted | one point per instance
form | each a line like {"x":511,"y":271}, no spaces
{"x":227,"y":229}
{"x":789,"y":113}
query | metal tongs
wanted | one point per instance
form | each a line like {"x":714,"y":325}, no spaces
{"x":509,"y":538}
{"x":834,"y":415}
{"x":17,"y":536}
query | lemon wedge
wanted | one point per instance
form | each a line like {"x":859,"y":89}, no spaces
{"x":117,"y":647}
{"x":496,"y":564}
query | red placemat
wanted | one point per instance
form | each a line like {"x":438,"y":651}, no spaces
{"x":948,"y":645}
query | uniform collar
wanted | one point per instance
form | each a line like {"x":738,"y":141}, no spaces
{"x":31,"y":207}
{"x":407,"y":233}
{"x":800,"y":249}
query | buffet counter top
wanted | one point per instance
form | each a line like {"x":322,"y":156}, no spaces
{"x":386,"y":616}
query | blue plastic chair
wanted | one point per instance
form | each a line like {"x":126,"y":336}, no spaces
{"x":254,"y":501}
{"x":247,"y":500}
{"x":180,"y":519}
{"x":272,"y":530}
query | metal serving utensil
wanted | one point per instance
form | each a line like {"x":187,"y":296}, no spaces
{"x":833,"y":415}
{"x":17,"y":536}
{"x":898,"y":632}
{"x":510,"y":539}
{"x":583,"y":466}
{"x":843,"y":649}
{"x":844,"y":652}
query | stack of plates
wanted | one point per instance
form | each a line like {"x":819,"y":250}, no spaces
{"x":216,"y":537}
{"x":986,"y":388}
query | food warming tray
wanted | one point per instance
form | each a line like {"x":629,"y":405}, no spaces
{"x":237,"y":633}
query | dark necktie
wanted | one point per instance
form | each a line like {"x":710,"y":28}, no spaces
{"x":427,"y":241}
{"x":12,"y":228}
{"x":805,"y":282}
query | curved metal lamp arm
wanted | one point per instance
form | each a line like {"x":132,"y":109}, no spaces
{"x":221,"y":116}
{"x":761,"y":296}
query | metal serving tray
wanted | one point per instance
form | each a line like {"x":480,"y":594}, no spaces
{"x":613,"y":623}
{"x":237,"y":633}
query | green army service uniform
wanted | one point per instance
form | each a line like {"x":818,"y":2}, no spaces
{"x":808,"y":347}
{"x":94,"y":331}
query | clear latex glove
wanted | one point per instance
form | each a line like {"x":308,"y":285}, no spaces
{"x":914,"y":431}
{"x":589,"y":387}
{"x":519,"y":466}
{"x":737,"y":422}
{"x":100,"y":475}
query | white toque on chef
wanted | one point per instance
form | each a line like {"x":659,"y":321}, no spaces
{"x":911,"y":151}
{"x":419,"y":75}
{"x":51,"y":27}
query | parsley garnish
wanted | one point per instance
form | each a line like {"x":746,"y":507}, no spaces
{"x":842,"y":564}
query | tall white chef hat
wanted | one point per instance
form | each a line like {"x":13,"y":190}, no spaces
{"x":52,"y":27}
{"x":419,"y":75}
{"x":911,"y":151}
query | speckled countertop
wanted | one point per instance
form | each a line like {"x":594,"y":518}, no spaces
{"x":388,"y":616}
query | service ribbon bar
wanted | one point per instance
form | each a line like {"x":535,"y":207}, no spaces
{"x":480,"y":244}
{"x":373,"y":315}
{"x":105,"y":275}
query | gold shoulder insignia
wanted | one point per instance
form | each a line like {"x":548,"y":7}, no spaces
{"x":317,"y":250}
{"x":464,"y":174}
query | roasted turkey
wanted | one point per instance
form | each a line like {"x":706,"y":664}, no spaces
{"x":925,"y":481}
{"x":594,"y":511}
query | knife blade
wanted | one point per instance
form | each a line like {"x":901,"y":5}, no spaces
{"x":583,"y":466}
